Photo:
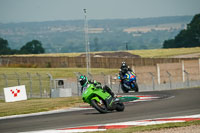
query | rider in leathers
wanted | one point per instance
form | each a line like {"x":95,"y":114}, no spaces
{"x":123,"y":72}
{"x":84,"y":82}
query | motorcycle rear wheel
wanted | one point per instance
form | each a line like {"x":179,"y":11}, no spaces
{"x":120,"y":107}
{"x":101,"y":107}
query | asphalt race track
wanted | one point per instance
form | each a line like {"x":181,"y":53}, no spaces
{"x":171,"y":103}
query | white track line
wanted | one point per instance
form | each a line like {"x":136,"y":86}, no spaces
{"x":44,"y":113}
{"x":103,"y":127}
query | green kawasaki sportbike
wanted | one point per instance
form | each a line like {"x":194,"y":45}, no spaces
{"x":101,"y":100}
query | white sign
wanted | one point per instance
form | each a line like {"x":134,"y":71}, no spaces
{"x":16,"y":93}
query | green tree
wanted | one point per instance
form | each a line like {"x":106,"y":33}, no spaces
{"x":189,"y":37}
{"x":4,"y":49}
{"x":33,"y":47}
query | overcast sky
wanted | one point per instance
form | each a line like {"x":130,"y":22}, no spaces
{"x":45,"y":10}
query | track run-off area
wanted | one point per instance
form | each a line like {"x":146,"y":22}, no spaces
{"x":150,"y":108}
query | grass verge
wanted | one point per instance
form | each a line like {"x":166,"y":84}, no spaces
{"x":37,"y":105}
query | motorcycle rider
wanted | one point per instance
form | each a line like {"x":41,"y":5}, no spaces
{"x":123,"y":71}
{"x":84,"y":82}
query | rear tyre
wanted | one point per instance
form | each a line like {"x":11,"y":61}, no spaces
{"x":101,"y":107}
{"x":120,"y":107}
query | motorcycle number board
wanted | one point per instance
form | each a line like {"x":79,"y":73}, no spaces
{"x":16,"y":93}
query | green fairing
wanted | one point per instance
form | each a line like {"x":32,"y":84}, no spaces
{"x":96,"y":98}
{"x":94,"y":93}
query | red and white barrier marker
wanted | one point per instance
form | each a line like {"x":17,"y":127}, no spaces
{"x":15,"y":93}
{"x":104,"y":127}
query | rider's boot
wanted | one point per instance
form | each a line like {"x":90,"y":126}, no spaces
{"x":116,"y":99}
{"x":106,"y":88}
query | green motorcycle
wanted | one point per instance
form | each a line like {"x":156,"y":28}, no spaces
{"x":101,"y":100}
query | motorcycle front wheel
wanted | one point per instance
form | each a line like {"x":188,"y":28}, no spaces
{"x":136,"y":87}
{"x":99,"y":106}
{"x":124,"y":89}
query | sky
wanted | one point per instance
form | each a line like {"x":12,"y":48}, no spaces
{"x":50,"y":10}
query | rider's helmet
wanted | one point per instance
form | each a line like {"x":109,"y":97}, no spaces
{"x":124,"y":67}
{"x":83,"y":80}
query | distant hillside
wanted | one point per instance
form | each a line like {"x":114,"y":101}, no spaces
{"x":104,"y":35}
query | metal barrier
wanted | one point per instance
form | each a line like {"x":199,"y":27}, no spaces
{"x":37,"y":85}
{"x":150,"y":82}
{"x":149,"y":78}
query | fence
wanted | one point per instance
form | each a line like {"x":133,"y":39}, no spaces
{"x":149,"y":78}
{"x":158,"y":77}
{"x":37,"y":85}
{"x":169,"y":76}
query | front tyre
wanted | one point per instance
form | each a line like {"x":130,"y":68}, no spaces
{"x":136,"y":87}
{"x":101,"y":107}
{"x":124,"y":89}
{"x":120,"y":107}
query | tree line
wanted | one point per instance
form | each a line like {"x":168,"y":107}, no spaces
{"x":32,"y":47}
{"x":68,"y":36}
{"x":112,"y":39}
{"x":189,"y":37}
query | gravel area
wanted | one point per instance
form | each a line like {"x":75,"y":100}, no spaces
{"x":188,"y":129}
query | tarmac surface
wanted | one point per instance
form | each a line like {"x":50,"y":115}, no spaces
{"x":171,"y":103}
